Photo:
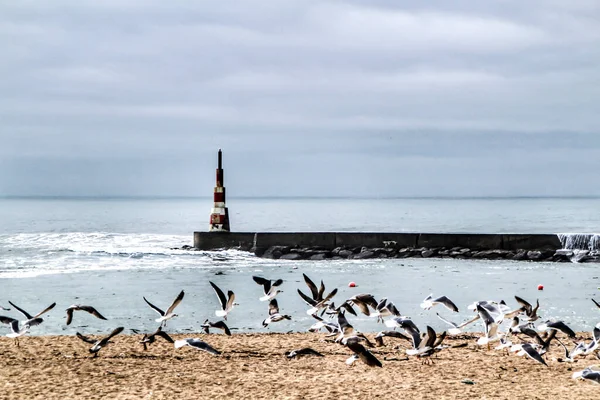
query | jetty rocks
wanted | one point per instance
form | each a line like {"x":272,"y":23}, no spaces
{"x":362,"y":253}
{"x":570,"y":247}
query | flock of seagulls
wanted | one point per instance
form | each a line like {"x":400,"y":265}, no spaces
{"x":520,"y":336}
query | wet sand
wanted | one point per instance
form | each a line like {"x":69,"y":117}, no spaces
{"x":254,"y":366}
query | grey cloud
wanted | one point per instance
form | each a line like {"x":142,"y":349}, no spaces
{"x":338,"y":97}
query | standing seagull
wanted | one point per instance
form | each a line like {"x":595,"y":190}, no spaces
{"x":430,"y":302}
{"x":274,"y":315}
{"x":270,"y":288}
{"x":165,"y":316}
{"x":80,"y":307}
{"x":226,"y":303}
{"x":99,"y":344}
{"x":30,"y":317}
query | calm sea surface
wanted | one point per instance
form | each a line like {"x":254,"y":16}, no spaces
{"x":111,"y":252}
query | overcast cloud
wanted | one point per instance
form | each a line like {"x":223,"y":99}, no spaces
{"x":306,"y":98}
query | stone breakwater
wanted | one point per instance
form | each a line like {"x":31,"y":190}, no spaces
{"x":362,"y":253}
{"x":366,"y":245}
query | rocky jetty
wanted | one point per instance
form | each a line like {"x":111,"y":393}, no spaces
{"x":362,"y":253}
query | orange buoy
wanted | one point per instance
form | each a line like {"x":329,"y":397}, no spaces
{"x":540,"y":287}
{"x":352,"y":284}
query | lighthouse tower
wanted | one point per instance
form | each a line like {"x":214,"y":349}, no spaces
{"x":219,"y":216}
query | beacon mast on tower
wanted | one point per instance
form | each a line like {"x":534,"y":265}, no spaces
{"x":219,"y":216}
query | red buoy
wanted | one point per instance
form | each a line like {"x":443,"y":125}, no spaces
{"x":352,"y":284}
{"x":540,"y":287}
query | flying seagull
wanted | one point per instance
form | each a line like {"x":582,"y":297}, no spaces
{"x":395,"y":334}
{"x":445,"y":301}
{"x":151,"y":338}
{"x":316,"y":305}
{"x":79,"y":307}
{"x":306,"y":351}
{"x":219,"y":325}
{"x":556,"y":325}
{"x":197,"y":344}
{"x":99,"y":344}
{"x":227,"y":303}
{"x":361,"y":353}
{"x":30,"y":317}
{"x":274,"y":315}
{"x":490,"y":327}
{"x":590,"y":373}
{"x":363,"y":301}
{"x":456,"y":328}
{"x":165,"y":316}
{"x":528,"y":309}
{"x":18,"y":331}
{"x":385,"y":308}
{"x":530,"y":351}
{"x":270,"y":288}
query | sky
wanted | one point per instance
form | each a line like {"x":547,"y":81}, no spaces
{"x":361,"y":98}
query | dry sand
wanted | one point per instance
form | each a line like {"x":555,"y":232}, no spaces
{"x":253,"y":366}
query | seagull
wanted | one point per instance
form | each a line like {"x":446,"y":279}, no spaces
{"x":490,"y":325}
{"x":317,"y":294}
{"x":530,"y":312}
{"x":446,"y":302}
{"x":344,"y":327}
{"x":227,"y":303}
{"x":456,"y":328}
{"x":80,"y":307}
{"x":556,"y":325}
{"x":409,"y":327}
{"x":16,"y":331}
{"x":361,"y":353}
{"x":270,"y":288}
{"x":495,"y":309}
{"x":274,"y":315}
{"x":306,"y":351}
{"x":316,"y":305}
{"x":99,"y":344}
{"x":30,"y":317}
{"x":197,"y":344}
{"x":321,"y":323}
{"x":385,"y":308}
{"x":569,"y":356}
{"x":363,"y":301}
{"x":395,"y":334}
{"x":427,"y":344}
{"x":530,"y":351}
{"x":528,"y":329}
{"x":165,"y":316}
{"x":332,"y":310}
{"x":151,"y":338}
{"x":219,"y":325}
{"x":590,"y":373}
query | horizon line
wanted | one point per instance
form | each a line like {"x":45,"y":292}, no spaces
{"x":291,"y":197}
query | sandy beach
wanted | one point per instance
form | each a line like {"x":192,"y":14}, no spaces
{"x":254,"y":366}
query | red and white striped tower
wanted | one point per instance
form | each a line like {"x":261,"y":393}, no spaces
{"x":219,"y":216}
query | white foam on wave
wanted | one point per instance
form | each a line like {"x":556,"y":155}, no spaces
{"x":31,"y":255}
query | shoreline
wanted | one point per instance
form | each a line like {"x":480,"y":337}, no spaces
{"x":253,"y":365}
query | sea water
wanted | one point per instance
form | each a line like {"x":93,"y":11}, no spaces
{"x":110,"y":252}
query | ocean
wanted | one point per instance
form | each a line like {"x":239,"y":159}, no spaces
{"x":110,"y":252}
